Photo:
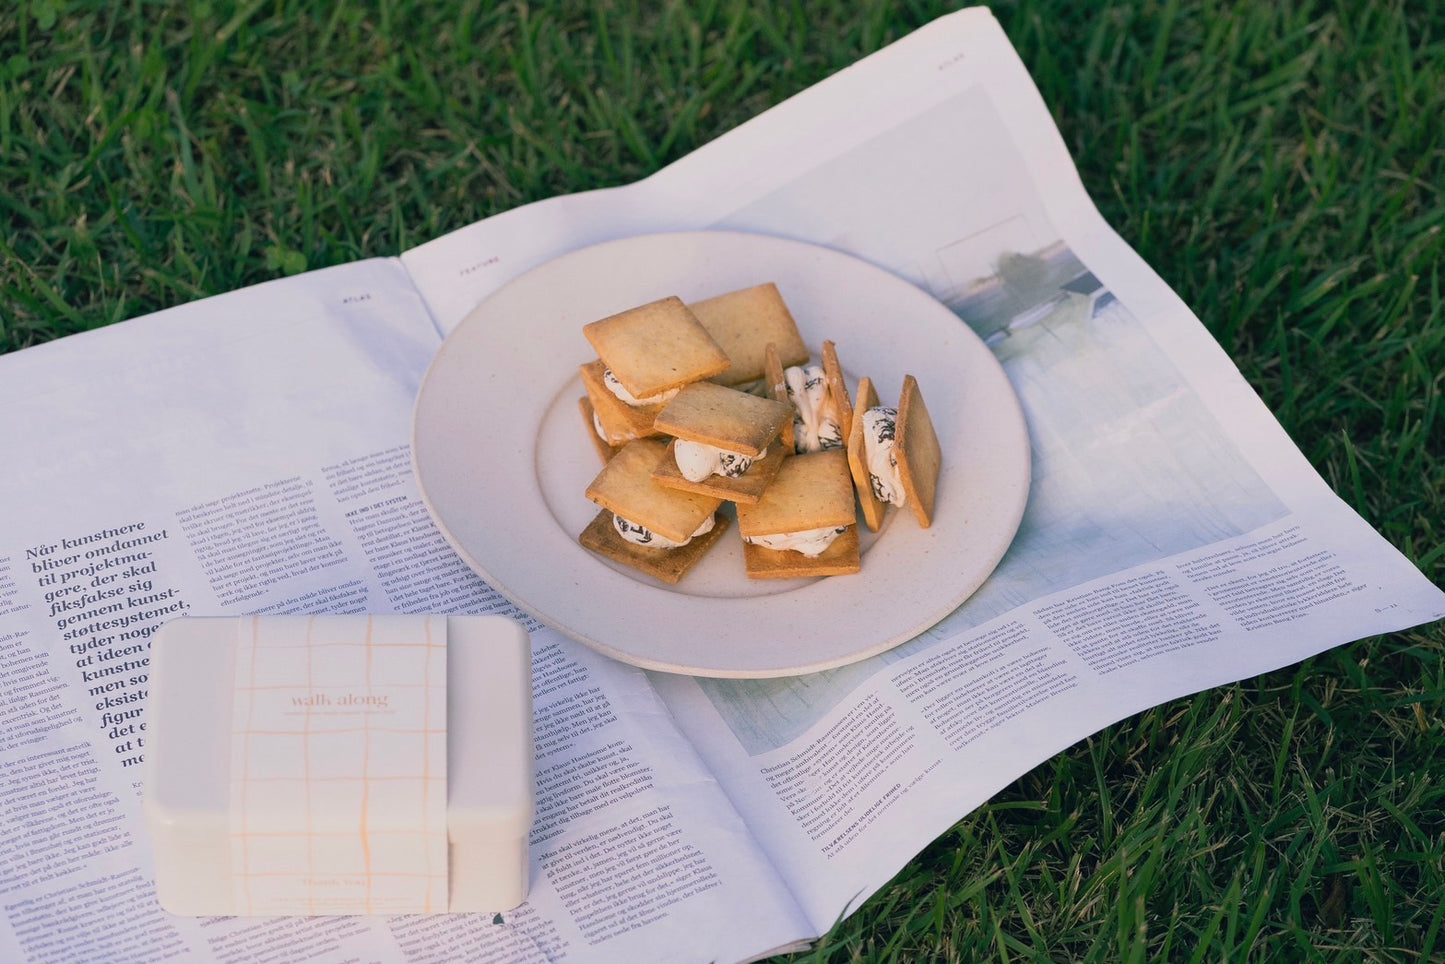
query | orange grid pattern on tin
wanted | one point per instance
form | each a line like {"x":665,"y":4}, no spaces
{"x":338,"y":776}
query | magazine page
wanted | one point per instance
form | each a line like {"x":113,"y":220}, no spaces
{"x":249,"y":454}
{"x":728,"y":182}
{"x":1174,"y":540}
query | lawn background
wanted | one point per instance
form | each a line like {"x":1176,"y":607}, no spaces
{"x":1280,"y":165}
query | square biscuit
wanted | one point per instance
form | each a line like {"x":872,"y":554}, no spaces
{"x":745,"y":321}
{"x":841,"y":558}
{"x":667,"y":565}
{"x":656,"y":346}
{"x":810,"y":491}
{"x":746,"y":488}
{"x":622,"y":422}
{"x":920,"y":457}
{"x":625,"y":486}
{"x":724,"y":417}
{"x":873,"y":510}
{"x":835,"y":392}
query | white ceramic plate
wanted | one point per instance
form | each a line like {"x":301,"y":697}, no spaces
{"x":502,"y":459}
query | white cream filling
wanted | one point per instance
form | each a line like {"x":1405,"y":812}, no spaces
{"x":615,"y":387}
{"x":643,"y":536}
{"x":815,"y":426}
{"x":697,"y":461}
{"x":879,"y":431}
{"x":810,"y":542}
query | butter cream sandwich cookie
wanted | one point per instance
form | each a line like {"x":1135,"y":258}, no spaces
{"x":659,"y":531}
{"x":894,"y":454}
{"x":805,"y":524}
{"x":873,"y":507}
{"x":667,"y":565}
{"x":726,"y":442}
{"x":620,"y":421}
{"x":595,"y":431}
{"x":744,"y":322}
{"x":920,"y":456}
{"x":655,"y":348}
{"x":822,"y":410}
{"x":837,"y":391}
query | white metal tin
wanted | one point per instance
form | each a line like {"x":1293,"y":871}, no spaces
{"x":490,"y":767}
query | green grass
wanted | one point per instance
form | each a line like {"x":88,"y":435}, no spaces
{"x":1281,"y":166}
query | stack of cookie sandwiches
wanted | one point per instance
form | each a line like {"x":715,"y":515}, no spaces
{"x":710,"y":410}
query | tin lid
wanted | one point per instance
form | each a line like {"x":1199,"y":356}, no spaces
{"x":489,"y":728}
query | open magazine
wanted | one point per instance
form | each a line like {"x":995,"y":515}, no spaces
{"x":250,"y":454}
